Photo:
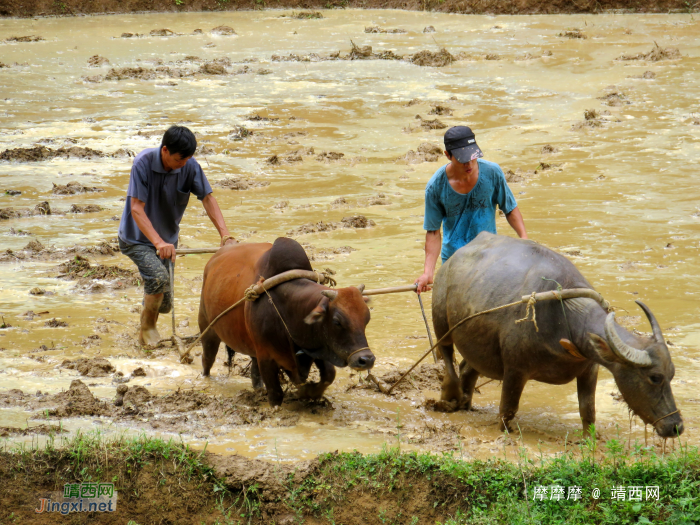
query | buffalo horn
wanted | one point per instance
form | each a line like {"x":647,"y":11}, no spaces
{"x":658,"y":336}
{"x":361,"y":287}
{"x":620,"y":348}
{"x":331,"y":294}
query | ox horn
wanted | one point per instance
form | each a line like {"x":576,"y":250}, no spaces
{"x":361,"y":287}
{"x":620,"y":348}
{"x":658,"y":336}
{"x":331,"y":294}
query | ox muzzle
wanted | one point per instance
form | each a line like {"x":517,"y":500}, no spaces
{"x":361,"y":359}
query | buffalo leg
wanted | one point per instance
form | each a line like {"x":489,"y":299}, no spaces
{"x":451,"y":388}
{"x":255,"y":374}
{"x":269,"y":371}
{"x":230,"y":354}
{"x":210,"y":347}
{"x":586,"y":384}
{"x":316,"y":390}
{"x":468,"y":377}
{"x":512,"y":389}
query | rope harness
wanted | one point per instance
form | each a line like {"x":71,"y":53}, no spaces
{"x":252,"y":293}
{"x":530,"y":300}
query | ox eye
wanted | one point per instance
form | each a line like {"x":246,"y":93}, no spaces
{"x":336,"y":322}
{"x":656,"y":379}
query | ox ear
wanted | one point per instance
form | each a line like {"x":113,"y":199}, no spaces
{"x":318,"y":313}
{"x":572,"y":349}
{"x":600,"y":345}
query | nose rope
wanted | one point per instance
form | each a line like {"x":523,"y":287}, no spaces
{"x":358,"y":350}
{"x":664,"y":417}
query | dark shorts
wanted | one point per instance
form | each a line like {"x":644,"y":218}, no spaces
{"x":153,"y":270}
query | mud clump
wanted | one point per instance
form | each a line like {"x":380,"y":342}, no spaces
{"x":305,"y":15}
{"x":97,"y":367}
{"x":356,"y":221}
{"x":325,"y":254}
{"x":39,"y":153}
{"x":161,"y":32}
{"x":429,"y":29}
{"x":28,"y":38}
{"x":329,"y":156}
{"x":426,"y":152}
{"x":212,"y":69}
{"x":592,"y":120}
{"x":223,"y":30}
{"x":240,"y":133}
{"x":97,"y":61}
{"x":615,"y":99}
{"x":365,"y":53}
{"x":89,"y":208}
{"x":73,"y":188}
{"x":573,"y":33}
{"x":427,"y":58}
{"x":440,"y":110}
{"x":377,"y":29}
{"x":656,"y":54}
{"x":548,"y":149}
{"x":43,"y":208}
{"x":427,"y":125}
{"x":80,"y":269}
{"x":377,"y":200}
{"x":6,"y":432}
{"x":78,"y":401}
{"x":55,"y":323}
{"x":126,"y":73}
{"x":241,"y":183}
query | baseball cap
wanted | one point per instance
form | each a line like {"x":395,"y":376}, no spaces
{"x":460,"y":141}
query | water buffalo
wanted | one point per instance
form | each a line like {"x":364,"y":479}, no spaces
{"x":323,"y":326}
{"x":493,"y":270}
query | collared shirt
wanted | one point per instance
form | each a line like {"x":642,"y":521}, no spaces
{"x":165,"y":193}
{"x":464,"y":216}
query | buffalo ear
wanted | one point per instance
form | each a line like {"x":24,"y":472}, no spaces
{"x":601,"y":347}
{"x":572,"y":349}
{"x":318,"y":313}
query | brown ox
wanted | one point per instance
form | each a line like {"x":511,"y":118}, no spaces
{"x":323,"y":326}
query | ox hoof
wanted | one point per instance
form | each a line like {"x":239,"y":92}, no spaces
{"x":505,"y":426}
{"x":311,"y":390}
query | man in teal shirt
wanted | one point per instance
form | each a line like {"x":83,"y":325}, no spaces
{"x":461,"y":197}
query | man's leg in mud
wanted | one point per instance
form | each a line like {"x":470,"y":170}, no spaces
{"x":148,"y":335}
{"x":156,"y":286}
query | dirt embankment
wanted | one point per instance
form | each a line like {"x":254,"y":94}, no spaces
{"x":22,"y":8}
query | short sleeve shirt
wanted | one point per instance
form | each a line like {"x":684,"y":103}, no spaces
{"x":464,"y":216}
{"x":165,"y":194}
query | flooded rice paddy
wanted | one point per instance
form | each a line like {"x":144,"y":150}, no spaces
{"x":299,"y":123}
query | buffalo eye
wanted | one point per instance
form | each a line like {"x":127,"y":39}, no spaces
{"x":656,"y":379}
{"x":337,"y":322}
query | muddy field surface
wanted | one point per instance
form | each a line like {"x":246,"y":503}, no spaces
{"x":326,"y":129}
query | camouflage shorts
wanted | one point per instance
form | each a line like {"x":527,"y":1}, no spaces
{"x":153,"y":270}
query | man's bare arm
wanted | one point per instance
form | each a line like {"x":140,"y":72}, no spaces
{"x":433,"y":245}
{"x":515,"y":219}
{"x":216,"y":217}
{"x":165,"y":250}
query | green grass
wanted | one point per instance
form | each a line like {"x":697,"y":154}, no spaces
{"x":461,"y":492}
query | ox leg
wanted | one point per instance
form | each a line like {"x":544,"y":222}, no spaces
{"x":255,"y":374}
{"x":451,"y":388}
{"x":316,"y":390}
{"x":512,"y":389}
{"x":270,"y":373}
{"x":468,"y":376}
{"x":210,"y":347}
{"x":586,"y":384}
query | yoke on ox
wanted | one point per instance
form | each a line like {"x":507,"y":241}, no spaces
{"x":297,"y":324}
{"x":568,"y":344}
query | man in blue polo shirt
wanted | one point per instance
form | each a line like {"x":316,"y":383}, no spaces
{"x":462,"y":197}
{"x":159,"y":190}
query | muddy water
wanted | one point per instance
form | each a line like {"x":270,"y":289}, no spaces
{"x":620,"y":199}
